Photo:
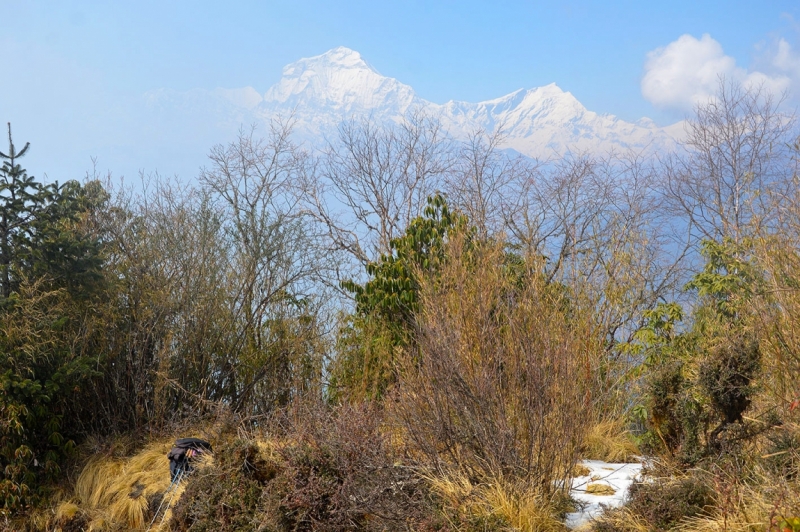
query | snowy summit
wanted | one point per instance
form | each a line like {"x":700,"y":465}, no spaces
{"x":322,"y":91}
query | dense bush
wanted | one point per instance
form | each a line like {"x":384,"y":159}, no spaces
{"x":325,"y":470}
{"x":661,"y":504}
{"x":226,"y":496}
{"x":50,"y":280}
{"x":727,"y":376}
{"x":664,"y":503}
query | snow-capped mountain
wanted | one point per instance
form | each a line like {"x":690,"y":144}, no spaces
{"x":322,"y":91}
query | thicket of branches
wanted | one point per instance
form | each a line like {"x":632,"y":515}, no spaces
{"x":498,"y":306}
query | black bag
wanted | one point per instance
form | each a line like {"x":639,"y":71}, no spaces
{"x":181,"y":455}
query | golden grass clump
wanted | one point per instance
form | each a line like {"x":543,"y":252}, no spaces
{"x":95,"y":474}
{"x":600,"y":489}
{"x":524,"y":512}
{"x":66,"y":510}
{"x":498,"y":505}
{"x":116,"y":494}
{"x":619,"y":520}
{"x":121,"y":490}
{"x":608,"y":440}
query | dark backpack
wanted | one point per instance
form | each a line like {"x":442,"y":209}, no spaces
{"x":182,"y":454}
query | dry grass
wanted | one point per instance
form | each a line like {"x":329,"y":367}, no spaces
{"x":66,"y":510}
{"x":497,"y":505}
{"x":600,"y":489}
{"x":120,"y":491}
{"x":524,"y":512}
{"x":608,"y":440}
{"x":761,"y":506}
{"x":116,"y":494}
{"x":618,"y":520}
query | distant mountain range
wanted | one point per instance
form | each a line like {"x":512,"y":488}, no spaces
{"x":338,"y":85}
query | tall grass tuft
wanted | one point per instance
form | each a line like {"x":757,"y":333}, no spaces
{"x":610,"y":441}
{"x":496,"y":505}
{"x":122,"y":494}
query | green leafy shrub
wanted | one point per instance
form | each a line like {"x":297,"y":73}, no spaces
{"x":726,"y":376}
{"x":49,"y":276}
{"x":706,"y":375}
{"x":387,"y":303}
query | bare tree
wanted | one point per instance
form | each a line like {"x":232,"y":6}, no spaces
{"x":374,"y":180}
{"x":561,"y":211}
{"x":275,"y":263}
{"x":597,"y":226}
{"x":481,"y":181}
{"x":737,"y":149}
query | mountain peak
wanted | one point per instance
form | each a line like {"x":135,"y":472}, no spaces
{"x":335,"y":59}
{"x":339,"y":79}
{"x":344,"y":56}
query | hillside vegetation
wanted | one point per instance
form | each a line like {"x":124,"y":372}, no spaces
{"x":406,"y":332}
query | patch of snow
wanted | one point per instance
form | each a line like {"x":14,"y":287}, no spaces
{"x":617,"y":476}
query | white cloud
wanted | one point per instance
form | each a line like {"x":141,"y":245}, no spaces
{"x":688,"y":70}
{"x":786,"y":60}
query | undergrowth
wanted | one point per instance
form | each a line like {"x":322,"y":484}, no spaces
{"x":311,"y":468}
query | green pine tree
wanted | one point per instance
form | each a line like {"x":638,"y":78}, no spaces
{"x":21,"y":199}
{"x":50,"y":278}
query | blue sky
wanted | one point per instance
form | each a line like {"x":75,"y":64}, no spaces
{"x":72,"y":69}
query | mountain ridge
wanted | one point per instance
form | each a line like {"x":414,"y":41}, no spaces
{"x":322,"y":91}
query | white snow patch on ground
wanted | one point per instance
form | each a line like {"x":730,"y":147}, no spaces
{"x":618,"y":476}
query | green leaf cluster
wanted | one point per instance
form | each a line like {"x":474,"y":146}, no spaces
{"x":699,"y":381}
{"x":386,"y":304}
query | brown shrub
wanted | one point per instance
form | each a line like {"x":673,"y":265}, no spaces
{"x":499,"y":386}
{"x":226,"y":496}
{"x":321,"y":469}
{"x":341,"y":472}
